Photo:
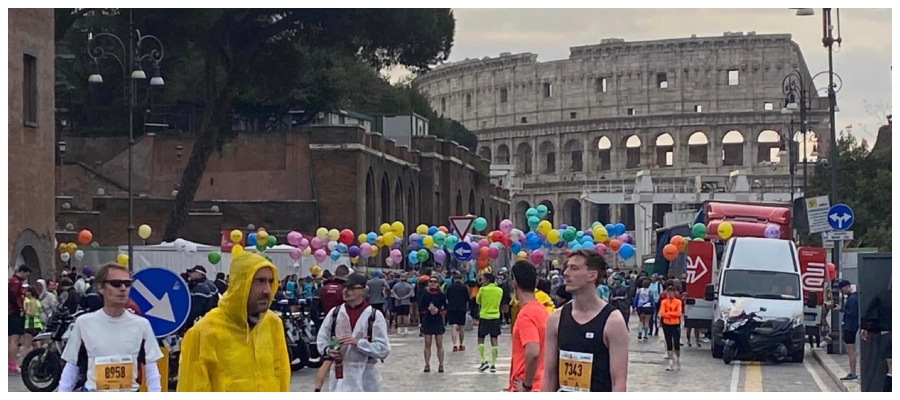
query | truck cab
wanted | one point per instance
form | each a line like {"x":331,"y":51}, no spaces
{"x":759,"y":273}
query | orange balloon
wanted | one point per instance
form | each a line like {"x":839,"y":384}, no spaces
{"x":670,"y":251}
{"x":615,"y":244}
{"x":482,"y":263}
{"x":443,"y":229}
{"x":678,"y":242}
{"x":483,"y":252}
{"x":85,"y":236}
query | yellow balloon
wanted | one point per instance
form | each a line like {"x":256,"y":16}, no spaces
{"x":307,"y":251}
{"x":555,"y":263}
{"x":522,"y":256}
{"x":388,"y":238}
{"x":236,"y":236}
{"x":334,"y":234}
{"x":354,"y":260}
{"x":122,"y":259}
{"x":374,"y":252}
{"x":237,"y":250}
{"x":362,"y":238}
{"x":600,"y":234}
{"x":71,"y":248}
{"x":544,"y":227}
{"x":422,"y":230}
{"x":385,"y":228}
{"x":398,"y":228}
{"x":553,"y":236}
{"x":725,"y":230}
{"x":428,"y":241}
{"x":315,"y":270}
{"x":262,"y":237}
{"x":322,"y":233}
{"x":63,"y":248}
{"x":379,"y":241}
{"x":144,"y":231}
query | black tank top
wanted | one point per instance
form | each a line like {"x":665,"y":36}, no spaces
{"x":577,"y":345}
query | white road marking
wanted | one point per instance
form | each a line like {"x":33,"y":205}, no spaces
{"x":735,"y":376}
{"x":461,"y":373}
{"x":815,"y":376}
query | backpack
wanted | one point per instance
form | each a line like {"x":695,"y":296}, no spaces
{"x":369,"y":327}
{"x":332,"y":295}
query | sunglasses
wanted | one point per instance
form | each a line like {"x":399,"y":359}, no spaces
{"x":118,"y":283}
{"x":432,"y":281}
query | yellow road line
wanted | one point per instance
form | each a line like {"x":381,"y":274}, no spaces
{"x":753,"y":377}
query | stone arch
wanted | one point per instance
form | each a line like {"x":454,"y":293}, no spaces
{"x":502,"y":156}
{"x":632,"y":146}
{"x":574,"y":159}
{"x":547,"y":157}
{"x":551,"y":211}
{"x":768,"y":144}
{"x":398,"y":201}
{"x":483,"y":210}
{"x":698,"y":148}
{"x":603,"y":147}
{"x":521,"y":207}
{"x":523,"y":159}
{"x":385,"y":199}
{"x":485,"y":152}
{"x":371,"y":219}
{"x":809,"y":147}
{"x":471,"y":202}
{"x":411,"y":211}
{"x":36,"y":252}
{"x":733,"y":148}
{"x":459,"y":203}
{"x":665,"y":150}
{"x":572,"y":213}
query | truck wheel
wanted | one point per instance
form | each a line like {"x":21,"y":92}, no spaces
{"x":728,"y":353}
{"x":797,"y":356}
{"x":717,"y":350}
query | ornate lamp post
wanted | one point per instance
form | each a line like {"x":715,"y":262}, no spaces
{"x":131,"y":61}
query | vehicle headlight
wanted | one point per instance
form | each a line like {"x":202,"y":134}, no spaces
{"x":737,"y":324}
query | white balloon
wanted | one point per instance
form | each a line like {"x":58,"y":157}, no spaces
{"x":64,"y":257}
{"x":389,"y":262}
{"x":332,"y":245}
{"x":180,"y":244}
{"x":296,"y":265}
{"x":79,"y":255}
{"x":190,"y":248}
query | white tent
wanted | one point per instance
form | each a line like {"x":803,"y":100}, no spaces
{"x":178,"y":258}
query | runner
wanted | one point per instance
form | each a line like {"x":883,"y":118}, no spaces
{"x":239,"y":346}
{"x":643,"y":303}
{"x":670,"y":309}
{"x":331,"y":295}
{"x":375,"y":291}
{"x":587,"y":343}
{"x":488,"y":300}
{"x":457,"y":304}
{"x":529,"y":332}
{"x":33,"y":312}
{"x":433,"y":301}
{"x":877,"y":321}
{"x":112,"y":339}
{"x":402,"y":294}
{"x":504,"y":283}
{"x":16,"y":309}
{"x":354,"y":335}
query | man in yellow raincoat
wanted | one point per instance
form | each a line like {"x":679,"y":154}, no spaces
{"x":541,"y":297}
{"x":239,"y":346}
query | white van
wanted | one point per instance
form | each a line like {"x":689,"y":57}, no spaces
{"x":760,"y":274}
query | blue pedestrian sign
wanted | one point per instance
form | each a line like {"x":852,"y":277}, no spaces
{"x":462,"y":251}
{"x":840,"y":217}
{"x":163,"y":297}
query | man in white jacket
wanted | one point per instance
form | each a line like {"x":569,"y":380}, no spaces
{"x":355,"y":335}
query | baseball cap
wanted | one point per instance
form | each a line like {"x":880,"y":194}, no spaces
{"x":843,"y":283}
{"x":355,"y":279}
{"x":198,"y":268}
{"x":23,"y":268}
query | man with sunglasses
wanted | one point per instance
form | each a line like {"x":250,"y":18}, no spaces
{"x":113,"y":339}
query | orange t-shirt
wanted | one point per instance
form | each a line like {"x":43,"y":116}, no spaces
{"x":530,"y":327}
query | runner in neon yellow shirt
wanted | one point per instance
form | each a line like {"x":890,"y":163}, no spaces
{"x":488,"y":300}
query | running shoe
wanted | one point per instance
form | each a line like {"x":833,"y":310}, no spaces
{"x":484,"y":367}
{"x":850,"y":377}
{"x":493,"y":368}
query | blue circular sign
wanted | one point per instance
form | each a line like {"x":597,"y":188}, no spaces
{"x":462,"y":251}
{"x":840,"y":217}
{"x":163,"y":297}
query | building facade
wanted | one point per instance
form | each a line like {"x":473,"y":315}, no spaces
{"x":627,"y":131}
{"x":31,"y":139}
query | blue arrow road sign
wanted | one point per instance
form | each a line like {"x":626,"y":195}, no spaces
{"x":462,"y":251}
{"x":840,"y":217}
{"x":163,"y":297}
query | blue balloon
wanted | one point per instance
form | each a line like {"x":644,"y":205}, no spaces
{"x":587,"y":239}
{"x":573,"y":244}
{"x":579,"y":235}
{"x":341,"y":248}
{"x":413,"y":258}
{"x":530,"y":236}
{"x":251,"y":239}
{"x":515,"y":247}
{"x":533,"y":244}
{"x":576,"y":247}
{"x":626,"y":251}
{"x":335,"y":255}
{"x":372,"y":237}
{"x":432,"y":230}
{"x":620,"y":229}
{"x":610,"y":229}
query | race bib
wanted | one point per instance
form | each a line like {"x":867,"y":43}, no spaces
{"x":115,"y":373}
{"x":575,"y":371}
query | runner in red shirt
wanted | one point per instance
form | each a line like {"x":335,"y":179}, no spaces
{"x":16,"y":310}
{"x":528,"y":332}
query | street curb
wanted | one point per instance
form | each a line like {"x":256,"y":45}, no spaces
{"x":834,"y":371}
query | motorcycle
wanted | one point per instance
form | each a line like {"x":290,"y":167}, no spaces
{"x":751,"y":337}
{"x":173,"y":344}
{"x":42,"y":367}
{"x":301,"y":344}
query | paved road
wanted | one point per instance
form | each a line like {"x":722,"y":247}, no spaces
{"x":402,"y":371}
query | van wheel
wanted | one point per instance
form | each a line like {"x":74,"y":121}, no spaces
{"x":797,"y":356}
{"x":718,"y":350}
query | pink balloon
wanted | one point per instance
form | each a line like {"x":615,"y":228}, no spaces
{"x":396,"y":256}
{"x":537,"y":257}
{"x":365,"y":249}
{"x":293,"y":238}
{"x":320,"y":255}
{"x":296,"y":254}
{"x":303,"y":244}
{"x":316,"y":244}
{"x":483,"y":242}
{"x":506,"y":226}
{"x":600,"y":248}
{"x":493,"y":252}
{"x":623,"y":238}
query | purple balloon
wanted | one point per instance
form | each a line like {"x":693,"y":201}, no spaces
{"x":353,"y":251}
{"x":772,"y":231}
{"x":365,"y":249}
{"x":303,"y":244}
{"x":440,"y":256}
{"x":623,"y":238}
{"x":320,"y":255}
{"x":413,"y":237}
{"x":475,"y":249}
{"x":316,"y":243}
{"x":293,"y":238}
{"x":563,"y":227}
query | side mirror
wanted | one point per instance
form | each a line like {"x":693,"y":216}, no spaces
{"x":812,"y":300}
{"x":709,"y":293}
{"x":762,"y":309}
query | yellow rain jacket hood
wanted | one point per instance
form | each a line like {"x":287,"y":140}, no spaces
{"x":222,"y":353}
{"x":540,"y":296}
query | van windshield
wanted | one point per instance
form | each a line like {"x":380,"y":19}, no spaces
{"x":761,"y":285}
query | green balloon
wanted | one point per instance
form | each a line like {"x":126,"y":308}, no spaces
{"x":568,"y":235}
{"x":261,"y":247}
{"x":422,"y":255}
{"x":533,"y":222}
{"x":451,"y":241}
{"x":271,"y":241}
{"x":214,"y":257}
{"x":531,"y":212}
{"x":698,"y":230}
{"x":594,"y":225}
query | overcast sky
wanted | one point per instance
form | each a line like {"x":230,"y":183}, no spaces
{"x":864,"y":60}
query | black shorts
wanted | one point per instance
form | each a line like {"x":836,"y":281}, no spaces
{"x":645,"y":311}
{"x":488,"y":327}
{"x":849,"y":337}
{"x":32,"y":331}
{"x":402,"y":311}
{"x":16,"y":324}
{"x":456,"y":317}
{"x":379,"y":307}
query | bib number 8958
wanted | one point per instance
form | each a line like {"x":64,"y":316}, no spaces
{"x":573,"y":369}
{"x":115,"y":372}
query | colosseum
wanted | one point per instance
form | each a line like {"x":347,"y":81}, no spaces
{"x":631,"y":131}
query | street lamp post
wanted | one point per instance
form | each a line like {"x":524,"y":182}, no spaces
{"x":131,"y":56}
{"x":61,"y":145}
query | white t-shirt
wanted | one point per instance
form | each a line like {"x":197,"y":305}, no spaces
{"x":111,"y":342}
